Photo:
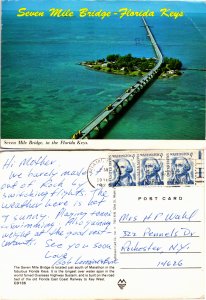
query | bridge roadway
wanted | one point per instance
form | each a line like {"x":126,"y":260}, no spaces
{"x":127,"y":96}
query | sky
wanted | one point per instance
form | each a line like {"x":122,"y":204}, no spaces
{"x":186,"y":6}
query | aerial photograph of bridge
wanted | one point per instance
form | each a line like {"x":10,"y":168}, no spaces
{"x":92,"y":70}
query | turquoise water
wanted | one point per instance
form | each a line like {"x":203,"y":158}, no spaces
{"x":47,"y":94}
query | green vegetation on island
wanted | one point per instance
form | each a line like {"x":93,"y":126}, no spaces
{"x":133,"y":66}
{"x":171,"y":67}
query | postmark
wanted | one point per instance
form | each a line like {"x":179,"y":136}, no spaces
{"x":98,"y":172}
{"x":122,"y":170}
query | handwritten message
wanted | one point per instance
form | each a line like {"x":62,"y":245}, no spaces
{"x":47,"y":204}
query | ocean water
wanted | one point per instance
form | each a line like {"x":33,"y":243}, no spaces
{"x":47,"y":94}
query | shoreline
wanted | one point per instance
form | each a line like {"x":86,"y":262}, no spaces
{"x":89,"y":67}
{"x":163,"y":75}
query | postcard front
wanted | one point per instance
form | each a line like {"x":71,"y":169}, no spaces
{"x":129,"y":70}
{"x":85,"y":226}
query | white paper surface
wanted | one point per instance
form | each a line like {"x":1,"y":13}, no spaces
{"x":66,"y":235}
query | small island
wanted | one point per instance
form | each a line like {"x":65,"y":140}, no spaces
{"x":133,"y":66}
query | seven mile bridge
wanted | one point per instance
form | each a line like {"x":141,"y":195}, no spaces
{"x":95,"y":127}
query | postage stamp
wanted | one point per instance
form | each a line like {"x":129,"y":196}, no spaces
{"x":180,"y":168}
{"x":122,"y":170}
{"x":156,"y":168}
{"x":150,"y":168}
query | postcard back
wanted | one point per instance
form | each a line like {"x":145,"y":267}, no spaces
{"x":91,"y":225}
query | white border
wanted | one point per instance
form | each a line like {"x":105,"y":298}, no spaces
{"x":61,"y":144}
